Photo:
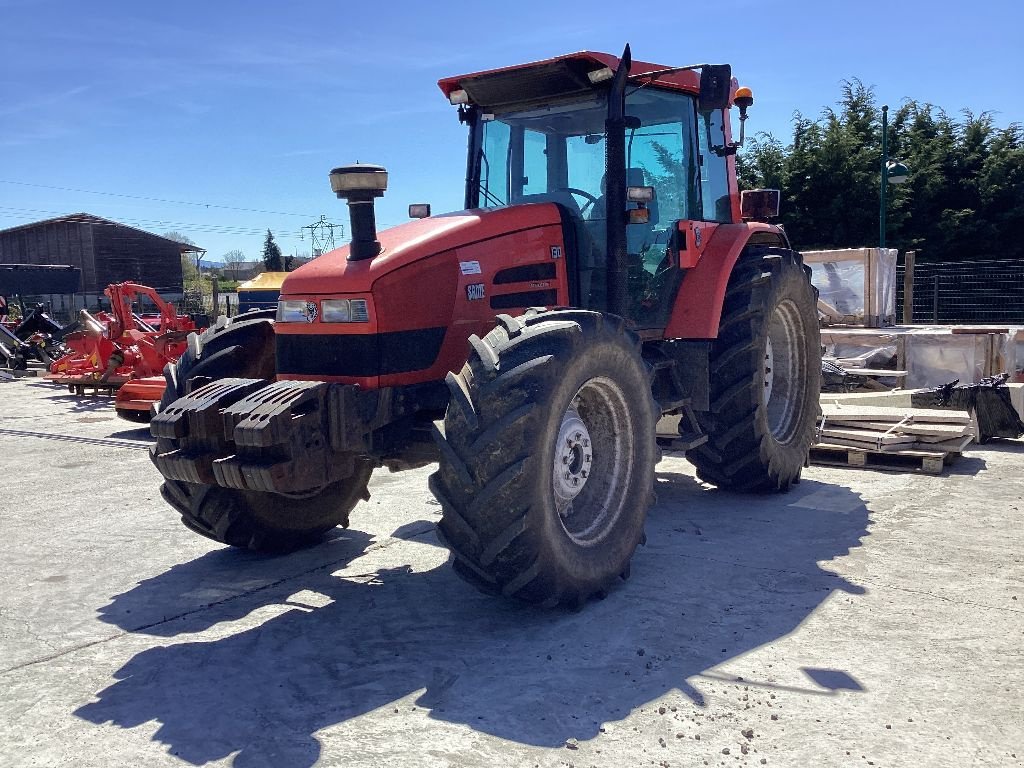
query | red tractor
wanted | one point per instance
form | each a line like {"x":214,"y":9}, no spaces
{"x":611,"y":282}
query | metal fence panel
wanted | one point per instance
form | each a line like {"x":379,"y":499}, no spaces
{"x":965,"y":292}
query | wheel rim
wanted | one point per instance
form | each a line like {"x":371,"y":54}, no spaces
{"x":783,"y":371}
{"x":593,"y":461}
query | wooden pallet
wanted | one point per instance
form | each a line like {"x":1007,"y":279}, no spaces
{"x":927,"y":462}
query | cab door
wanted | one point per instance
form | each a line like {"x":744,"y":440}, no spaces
{"x":662,"y":153}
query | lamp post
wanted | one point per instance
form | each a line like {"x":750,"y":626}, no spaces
{"x":892,"y":172}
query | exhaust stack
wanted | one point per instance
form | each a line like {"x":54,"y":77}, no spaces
{"x":359,"y":184}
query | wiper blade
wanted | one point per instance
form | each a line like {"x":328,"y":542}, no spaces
{"x":490,"y":197}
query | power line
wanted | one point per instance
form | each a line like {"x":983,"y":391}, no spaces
{"x":210,"y":228}
{"x":151,"y":199}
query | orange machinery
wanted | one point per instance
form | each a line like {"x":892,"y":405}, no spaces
{"x":119,"y":351}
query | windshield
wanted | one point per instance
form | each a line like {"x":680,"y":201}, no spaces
{"x":556,"y":153}
{"x":545,"y":152}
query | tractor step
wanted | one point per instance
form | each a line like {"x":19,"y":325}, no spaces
{"x":685,"y":442}
{"x":680,"y":431}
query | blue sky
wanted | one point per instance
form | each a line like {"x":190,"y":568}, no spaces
{"x":229,"y":115}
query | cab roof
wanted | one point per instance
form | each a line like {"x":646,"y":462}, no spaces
{"x":560,"y":76}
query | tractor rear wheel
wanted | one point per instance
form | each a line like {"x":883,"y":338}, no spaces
{"x":267,"y":522}
{"x":547,"y":457}
{"x":765,"y":376}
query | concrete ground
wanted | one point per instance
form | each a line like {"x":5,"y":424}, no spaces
{"x":862,"y":619}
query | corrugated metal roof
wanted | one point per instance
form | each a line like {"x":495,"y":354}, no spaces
{"x":89,"y":218}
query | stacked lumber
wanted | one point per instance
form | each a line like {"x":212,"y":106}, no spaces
{"x":890,"y":437}
{"x":881,"y":427}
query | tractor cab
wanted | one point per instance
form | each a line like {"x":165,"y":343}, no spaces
{"x":632,"y":153}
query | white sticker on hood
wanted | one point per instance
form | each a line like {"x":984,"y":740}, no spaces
{"x":470,"y":267}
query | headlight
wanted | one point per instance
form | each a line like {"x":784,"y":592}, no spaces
{"x":296,"y":311}
{"x":337,"y":311}
{"x":344,"y":311}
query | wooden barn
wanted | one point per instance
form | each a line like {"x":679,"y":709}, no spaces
{"x":106,"y":251}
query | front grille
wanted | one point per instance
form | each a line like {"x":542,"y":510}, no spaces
{"x":356,"y":355}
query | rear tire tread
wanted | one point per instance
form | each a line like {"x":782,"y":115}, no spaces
{"x":741,"y":454}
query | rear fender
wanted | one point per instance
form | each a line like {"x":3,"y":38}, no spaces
{"x":698,"y":305}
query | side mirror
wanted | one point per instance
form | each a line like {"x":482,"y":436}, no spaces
{"x":419,"y":210}
{"x":715,"y":86}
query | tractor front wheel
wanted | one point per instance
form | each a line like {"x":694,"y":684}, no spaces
{"x":267,"y":522}
{"x":547,"y":457}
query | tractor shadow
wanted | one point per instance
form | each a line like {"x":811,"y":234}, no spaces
{"x":225,"y":585}
{"x":721,"y":575}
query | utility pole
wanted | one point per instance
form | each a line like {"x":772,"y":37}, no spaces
{"x":321,"y":233}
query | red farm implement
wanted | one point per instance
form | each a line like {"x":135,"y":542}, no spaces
{"x":118,"y":348}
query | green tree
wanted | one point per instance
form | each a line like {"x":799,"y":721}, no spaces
{"x":832,"y":194}
{"x":964,"y":197}
{"x":762,"y":163}
{"x":1001,"y":190}
{"x":924,"y":138}
{"x":273,"y":260}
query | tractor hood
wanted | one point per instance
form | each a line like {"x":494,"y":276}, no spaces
{"x":408,"y":243}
